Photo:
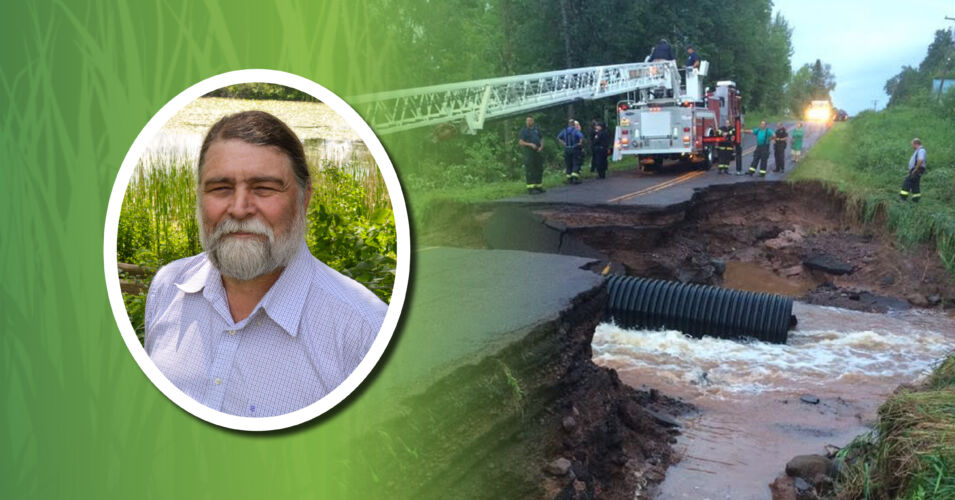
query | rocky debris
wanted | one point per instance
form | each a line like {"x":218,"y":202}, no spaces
{"x":790,"y":272}
{"x":828,"y":264}
{"x":804,"y":490}
{"x":719,"y":266}
{"x":782,"y":488}
{"x":662,"y":418}
{"x":828,"y":294}
{"x":785,"y":239}
{"x":559,"y":467}
{"x":809,"y":398}
{"x":809,"y":466}
{"x":918,"y":300}
{"x":568,"y":423}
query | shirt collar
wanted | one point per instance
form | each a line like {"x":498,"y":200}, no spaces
{"x":283,"y":302}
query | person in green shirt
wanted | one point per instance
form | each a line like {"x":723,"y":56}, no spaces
{"x":796,"y":141}
{"x":764,"y":136}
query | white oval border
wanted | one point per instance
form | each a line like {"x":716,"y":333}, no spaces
{"x":387,"y":170}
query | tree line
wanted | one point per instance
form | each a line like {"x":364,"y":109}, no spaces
{"x":459,"y":40}
{"x":914,"y":84}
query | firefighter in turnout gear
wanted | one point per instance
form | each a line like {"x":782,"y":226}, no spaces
{"x":725,"y":148}
{"x":911,"y":187}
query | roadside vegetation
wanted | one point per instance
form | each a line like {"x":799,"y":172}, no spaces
{"x":911,"y":452}
{"x":351,"y":225}
{"x":867,"y":157}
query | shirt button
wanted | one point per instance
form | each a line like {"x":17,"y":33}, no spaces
{"x":218,"y":380}
{"x":231,"y":332}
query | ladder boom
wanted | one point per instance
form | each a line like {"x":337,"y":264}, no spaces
{"x":476,"y":101}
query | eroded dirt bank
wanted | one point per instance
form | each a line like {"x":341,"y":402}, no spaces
{"x":798,"y":239}
{"x":538,"y":419}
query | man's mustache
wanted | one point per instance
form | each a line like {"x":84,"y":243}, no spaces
{"x":252,"y":226}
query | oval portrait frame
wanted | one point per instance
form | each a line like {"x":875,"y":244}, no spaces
{"x":402,"y":270}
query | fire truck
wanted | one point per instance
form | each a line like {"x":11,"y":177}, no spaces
{"x":670,"y":123}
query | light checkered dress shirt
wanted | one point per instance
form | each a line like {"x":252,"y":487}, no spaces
{"x":309,"y":331}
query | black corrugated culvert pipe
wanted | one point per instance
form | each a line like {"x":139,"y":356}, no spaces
{"x":699,"y":310}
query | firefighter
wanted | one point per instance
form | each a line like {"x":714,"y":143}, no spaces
{"x":531,"y":143}
{"x":912,"y":184}
{"x":779,"y":148}
{"x":763,"y":137}
{"x":662,"y":51}
{"x":693,"y":59}
{"x":725,"y":148}
{"x":600,"y":147}
{"x":573,"y":141}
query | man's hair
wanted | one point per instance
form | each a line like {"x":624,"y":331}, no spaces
{"x":571,"y":121}
{"x":917,"y":141}
{"x":260,"y":129}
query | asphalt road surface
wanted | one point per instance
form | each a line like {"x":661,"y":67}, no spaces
{"x":667,"y":186}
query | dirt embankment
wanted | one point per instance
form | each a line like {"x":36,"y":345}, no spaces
{"x":537,"y":420}
{"x":797,"y":239}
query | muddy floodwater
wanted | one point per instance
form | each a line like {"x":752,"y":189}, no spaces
{"x":751,"y":417}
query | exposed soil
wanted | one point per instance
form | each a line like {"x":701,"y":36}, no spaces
{"x":773,"y":226}
{"x":501,"y":428}
{"x":615,"y":444}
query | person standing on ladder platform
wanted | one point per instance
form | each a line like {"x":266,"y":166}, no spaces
{"x":530,"y":141}
{"x":724,"y":150}
{"x":912,"y":184}
{"x":763,"y":137}
{"x":573,"y":141}
{"x":779,"y":148}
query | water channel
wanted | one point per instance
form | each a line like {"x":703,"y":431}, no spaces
{"x":751,"y":418}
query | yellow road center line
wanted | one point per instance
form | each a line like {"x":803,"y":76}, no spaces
{"x":657,"y":187}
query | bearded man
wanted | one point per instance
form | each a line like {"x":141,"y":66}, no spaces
{"x":256,"y":326}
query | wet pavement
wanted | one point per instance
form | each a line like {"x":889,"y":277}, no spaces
{"x":666,"y":187}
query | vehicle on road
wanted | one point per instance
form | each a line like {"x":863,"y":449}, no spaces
{"x":677,"y":126}
{"x":820,"y":112}
{"x":841,"y":115}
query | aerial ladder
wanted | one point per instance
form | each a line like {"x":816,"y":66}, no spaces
{"x":473,"y":103}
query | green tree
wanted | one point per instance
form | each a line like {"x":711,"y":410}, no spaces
{"x":911,"y":83}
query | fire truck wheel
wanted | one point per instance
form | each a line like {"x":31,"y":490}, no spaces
{"x":709,"y":158}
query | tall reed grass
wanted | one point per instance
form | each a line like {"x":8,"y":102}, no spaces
{"x":351,"y":223}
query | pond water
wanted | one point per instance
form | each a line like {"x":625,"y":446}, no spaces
{"x":325,"y":134}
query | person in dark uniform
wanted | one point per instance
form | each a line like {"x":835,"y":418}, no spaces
{"x":599,"y":149}
{"x":573,"y":141}
{"x":779,"y":148}
{"x":693,"y":59}
{"x":725,"y":148}
{"x":662,"y":51}
{"x":530,"y":141}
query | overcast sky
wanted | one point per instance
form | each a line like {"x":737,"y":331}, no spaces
{"x":866,"y":41}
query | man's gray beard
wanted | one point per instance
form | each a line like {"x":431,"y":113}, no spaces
{"x":247,"y":258}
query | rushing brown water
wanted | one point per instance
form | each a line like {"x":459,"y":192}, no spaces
{"x":751,"y":419}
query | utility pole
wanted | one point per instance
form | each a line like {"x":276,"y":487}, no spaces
{"x":875,"y":102}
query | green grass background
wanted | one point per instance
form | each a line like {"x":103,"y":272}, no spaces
{"x":78,"y":81}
